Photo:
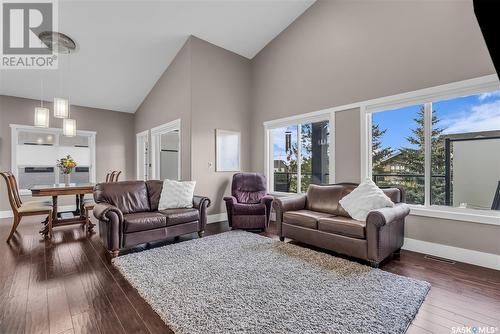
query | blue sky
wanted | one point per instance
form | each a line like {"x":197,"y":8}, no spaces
{"x":465,"y":114}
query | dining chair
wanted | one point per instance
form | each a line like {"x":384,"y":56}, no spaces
{"x":20,"y":209}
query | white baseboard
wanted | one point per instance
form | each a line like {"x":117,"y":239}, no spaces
{"x":215,"y":218}
{"x":477,"y":258}
{"x":8,"y":213}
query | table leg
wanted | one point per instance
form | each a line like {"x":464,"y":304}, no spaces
{"x":81,"y":208}
{"x":77,"y":205}
{"x":54,"y":209}
{"x":45,"y":229}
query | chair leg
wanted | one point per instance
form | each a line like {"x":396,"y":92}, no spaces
{"x":15,"y":223}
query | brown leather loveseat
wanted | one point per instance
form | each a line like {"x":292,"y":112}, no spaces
{"x":128,"y":215}
{"x":317,"y":218}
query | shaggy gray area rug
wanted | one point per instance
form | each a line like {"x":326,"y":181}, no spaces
{"x":239,"y":282}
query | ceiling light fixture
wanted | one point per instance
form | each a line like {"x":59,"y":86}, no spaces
{"x":42,"y":114}
{"x":62,"y":44}
{"x":69,"y":127}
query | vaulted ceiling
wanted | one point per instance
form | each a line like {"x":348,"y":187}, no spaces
{"x":125,"y":46}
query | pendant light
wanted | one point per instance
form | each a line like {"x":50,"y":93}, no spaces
{"x":69,"y":127}
{"x":41,"y":114}
{"x":61,"y":44}
{"x":61,"y":105}
{"x":61,"y":108}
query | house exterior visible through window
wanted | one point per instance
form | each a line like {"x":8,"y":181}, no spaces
{"x":35,"y":152}
{"x":299,"y":155}
{"x":444,"y":152}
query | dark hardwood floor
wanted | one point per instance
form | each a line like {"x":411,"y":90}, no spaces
{"x":69,"y":286}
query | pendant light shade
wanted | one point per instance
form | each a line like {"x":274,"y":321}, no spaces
{"x":61,"y":108}
{"x":69,"y":127}
{"x":41,"y":117}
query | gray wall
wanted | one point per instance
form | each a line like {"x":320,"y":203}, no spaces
{"x":221,"y":89}
{"x":207,"y":87}
{"x":170,"y":99}
{"x":115,"y":137}
{"x":341,"y":52}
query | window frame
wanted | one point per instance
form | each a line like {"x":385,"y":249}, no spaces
{"x":426,"y":97}
{"x":319,"y":116}
{"x":16,"y":128}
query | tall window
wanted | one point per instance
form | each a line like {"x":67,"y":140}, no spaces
{"x":460,"y":140}
{"x":35,"y":152}
{"x":300,"y":156}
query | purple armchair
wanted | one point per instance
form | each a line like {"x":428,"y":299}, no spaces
{"x":249,"y":207}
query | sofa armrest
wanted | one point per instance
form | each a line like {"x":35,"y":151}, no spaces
{"x":385,"y":231}
{"x":103,"y":211}
{"x":267,"y":200}
{"x":284,"y":204}
{"x":381,"y":217}
{"x":201,"y":203}
{"x":110,"y":225}
{"x":230,"y":200}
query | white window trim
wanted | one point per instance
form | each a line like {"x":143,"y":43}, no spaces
{"x":426,"y":97}
{"x":447,"y":91}
{"x":15,"y":128}
{"x":156,"y":133}
{"x":317,"y":116}
{"x":144,"y":135}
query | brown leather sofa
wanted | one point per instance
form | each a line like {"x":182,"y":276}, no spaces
{"x":128,"y":215}
{"x":317,"y":218}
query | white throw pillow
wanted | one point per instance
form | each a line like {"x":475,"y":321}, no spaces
{"x":366,"y":197}
{"x":176,"y":194}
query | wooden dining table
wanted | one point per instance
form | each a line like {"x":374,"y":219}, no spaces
{"x":55,"y":190}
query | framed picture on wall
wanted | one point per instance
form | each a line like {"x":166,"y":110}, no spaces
{"x":227,"y":150}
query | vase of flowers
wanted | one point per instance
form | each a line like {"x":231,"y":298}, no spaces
{"x":66,"y":165}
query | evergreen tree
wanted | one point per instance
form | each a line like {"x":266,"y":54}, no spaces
{"x":413,"y":159}
{"x":379,"y":153}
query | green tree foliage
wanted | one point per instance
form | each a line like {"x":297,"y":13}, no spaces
{"x":413,"y":159}
{"x":379,"y":153}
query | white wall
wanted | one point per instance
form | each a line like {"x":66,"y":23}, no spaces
{"x":476,"y":172}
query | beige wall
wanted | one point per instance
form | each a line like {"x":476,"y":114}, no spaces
{"x":207,"y":87}
{"x":114,"y":138}
{"x":342,"y":52}
{"x":220,"y":100}
{"x":170,"y":99}
{"x":347,"y":145}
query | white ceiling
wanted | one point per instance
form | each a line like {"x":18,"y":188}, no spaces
{"x":124,"y":46}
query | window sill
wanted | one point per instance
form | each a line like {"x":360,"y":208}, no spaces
{"x":463,"y":214}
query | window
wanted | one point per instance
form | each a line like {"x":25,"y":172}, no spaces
{"x":444,"y":152}
{"x":299,"y":155}
{"x":35,"y":152}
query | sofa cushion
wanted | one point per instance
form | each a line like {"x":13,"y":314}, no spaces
{"x":128,"y":196}
{"x":343,"y":225}
{"x":326,"y":198}
{"x":366,"y":197}
{"x":248,"y":187}
{"x":179,"y":216}
{"x":142,"y":221}
{"x":304,"y":218}
{"x":154,"y":191}
{"x":249,"y":209}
